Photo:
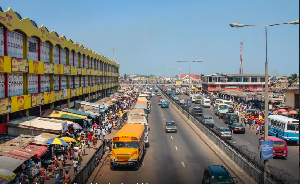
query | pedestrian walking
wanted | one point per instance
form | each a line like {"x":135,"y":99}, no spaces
{"x":75,"y":165}
{"x":83,"y":147}
{"x":89,"y":140}
{"x":67,"y":177}
{"x":103,"y":133}
{"x":257,"y":129}
{"x":98,"y":132}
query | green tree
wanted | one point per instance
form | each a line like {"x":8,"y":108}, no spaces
{"x":293,"y":78}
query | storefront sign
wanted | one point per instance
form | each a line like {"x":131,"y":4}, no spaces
{"x":34,"y":66}
{"x":92,"y":72}
{"x":79,"y":71}
{"x":73,"y":92}
{"x":67,"y":69}
{"x":49,"y":97}
{"x":88,"y":72}
{"x":83,"y":71}
{"x":37,"y":99}
{"x":19,"y":65}
{"x":5,"y":106}
{"x":19,"y":103}
{"x":84,"y":90}
{"x":48,"y":68}
{"x":59,"y":95}
{"x":5,"y":64}
{"x":66,"y":93}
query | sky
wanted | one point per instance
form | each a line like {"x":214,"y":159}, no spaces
{"x":149,"y":37}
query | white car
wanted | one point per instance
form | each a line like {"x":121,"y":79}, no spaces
{"x":193,"y":99}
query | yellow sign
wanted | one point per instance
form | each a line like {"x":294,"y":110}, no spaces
{"x":48,"y":68}
{"x":5,"y":106}
{"x":33,"y":67}
{"x":5,"y":64}
{"x":19,"y":65}
{"x":67,"y":93}
{"x":88,"y":89}
{"x":19,"y":103}
{"x":49,"y":97}
{"x":73,"y":70}
{"x":67,"y":69}
{"x":79,"y":71}
{"x":178,"y":83}
{"x":59,"y":95}
{"x":83,"y":71}
{"x":80,"y":91}
{"x":73,"y":92}
{"x":84,"y":90}
{"x":37,"y":99}
{"x":92,"y":71}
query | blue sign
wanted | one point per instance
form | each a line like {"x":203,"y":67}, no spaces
{"x":266,"y":150}
{"x":189,"y":102}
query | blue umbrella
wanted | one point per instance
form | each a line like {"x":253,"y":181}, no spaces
{"x":56,"y":141}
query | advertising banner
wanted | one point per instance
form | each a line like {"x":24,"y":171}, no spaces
{"x":73,"y":92}
{"x":66,"y":93}
{"x":83,"y":71}
{"x":5,"y":106}
{"x":5,"y":64}
{"x":79,"y":71}
{"x":88,"y":71}
{"x":84,"y":91}
{"x":67,"y":69}
{"x":88,"y":89}
{"x":59,"y":95}
{"x":19,"y":103}
{"x":48,"y":68}
{"x":92,"y":71}
{"x":19,"y":65}
{"x":37,"y":99}
{"x":49,"y":97}
{"x":266,"y":151}
{"x":33,"y":66}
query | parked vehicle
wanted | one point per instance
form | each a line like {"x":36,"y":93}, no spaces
{"x":224,"y":133}
{"x":217,"y":174}
{"x":237,"y":128}
{"x":170,"y":126}
{"x":230,"y":110}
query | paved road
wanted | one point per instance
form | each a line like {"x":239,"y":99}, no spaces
{"x":172,"y":158}
{"x":250,"y":139}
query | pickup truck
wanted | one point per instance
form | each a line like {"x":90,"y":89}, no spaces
{"x":165,"y":104}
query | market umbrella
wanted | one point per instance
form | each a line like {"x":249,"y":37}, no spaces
{"x":76,"y":126}
{"x":68,"y":139}
{"x":6,"y":176}
{"x":56,"y":141}
{"x":292,"y":112}
{"x":282,"y":110}
{"x":284,"y":113}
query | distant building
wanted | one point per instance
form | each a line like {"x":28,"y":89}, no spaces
{"x":194,"y":78}
{"x":292,"y":96}
{"x":234,"y":82}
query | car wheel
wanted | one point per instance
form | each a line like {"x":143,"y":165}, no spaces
{"x":112,"y":167}
{"x":136,"y":166}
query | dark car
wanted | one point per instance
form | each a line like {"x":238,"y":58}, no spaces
{"x":197,"y":111}
{"x":237,"y":128}
{"x":170,"y":126}
{"x":217,"y":174}
{"x":230,"y":118}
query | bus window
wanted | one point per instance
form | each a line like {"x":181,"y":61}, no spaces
{"x":293,"y":127}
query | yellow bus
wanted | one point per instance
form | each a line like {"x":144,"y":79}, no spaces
{"x":128,"y":146}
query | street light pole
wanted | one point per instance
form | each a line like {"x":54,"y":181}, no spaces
{"x":237,"y":25}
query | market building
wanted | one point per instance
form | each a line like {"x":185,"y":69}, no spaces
{"x":234,"y":82}
{"x":41,"y":70}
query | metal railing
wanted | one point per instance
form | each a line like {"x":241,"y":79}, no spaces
{"x":247,"y":160}
{"x":88,"y":168}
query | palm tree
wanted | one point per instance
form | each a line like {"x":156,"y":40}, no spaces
{"x":293,"y":78}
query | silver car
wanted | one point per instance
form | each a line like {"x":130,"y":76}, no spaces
{"x":209,"y":122}
{"x":224,"y":133}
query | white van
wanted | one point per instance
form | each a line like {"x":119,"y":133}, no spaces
{"x":229,"y":103}
{"x":205,"y":103}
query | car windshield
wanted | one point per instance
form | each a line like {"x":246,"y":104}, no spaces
{"x":223,"y":107}
{"x":117,"y":145}
{"x":208,"y":117}
{"x":237,"y":125}
{"x":279,"y":144}
{"x":225,"y":129}
{"x":209,"y":120}
{"x":170,"y":124}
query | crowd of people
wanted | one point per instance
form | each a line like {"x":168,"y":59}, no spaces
{"x":56,"y":167}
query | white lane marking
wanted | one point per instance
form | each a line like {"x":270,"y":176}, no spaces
{"x":164,"y":119}
{"x":182,"y":164}
{"x":162,"y":115}
{"x":176,"y":147}
{"x":171,"y":137}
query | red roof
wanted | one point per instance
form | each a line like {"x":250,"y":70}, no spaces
{"x":20,"y":155}
{"x":193,"y":76}
{"x":38,"y":150}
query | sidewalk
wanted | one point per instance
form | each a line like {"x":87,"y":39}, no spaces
{"x":88,"y":155}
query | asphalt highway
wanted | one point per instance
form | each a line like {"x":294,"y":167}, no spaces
{"x":251,"y":141}
{"x":171,"y":158}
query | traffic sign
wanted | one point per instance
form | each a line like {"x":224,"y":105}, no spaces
{"x":266,"y":150}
